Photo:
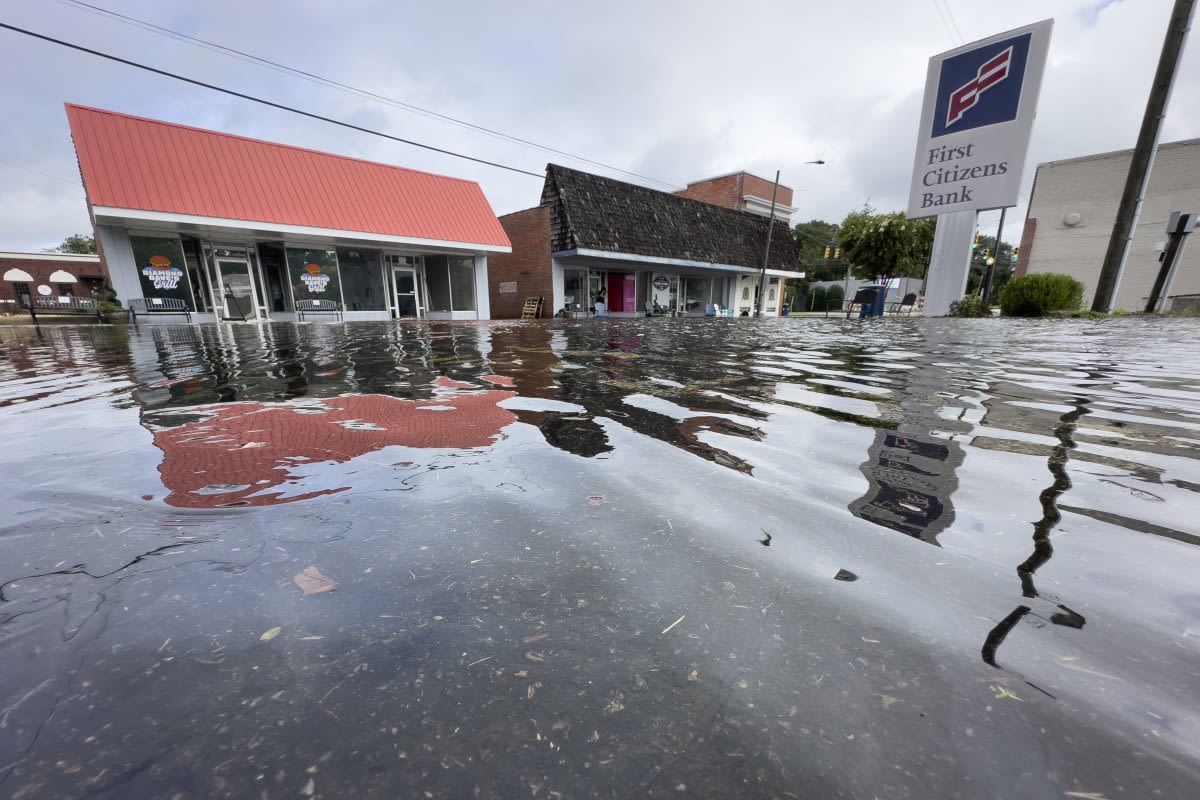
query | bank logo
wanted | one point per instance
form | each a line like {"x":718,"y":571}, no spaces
{"x":965,"y":97}
{"x":981,"y":87}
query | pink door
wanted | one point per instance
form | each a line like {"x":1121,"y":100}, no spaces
{"x":621,"y":292}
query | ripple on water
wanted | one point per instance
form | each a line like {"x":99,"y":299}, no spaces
{"x":602,"y":557}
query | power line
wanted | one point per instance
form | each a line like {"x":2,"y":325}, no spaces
{"x":38,"y":172}
{"x":942,"y":17}
{"x":264,"y":102}
{"x":953,"y":21}
{"x":343,"y":87}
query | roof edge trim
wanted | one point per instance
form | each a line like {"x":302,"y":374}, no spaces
{"x":109,"y":214}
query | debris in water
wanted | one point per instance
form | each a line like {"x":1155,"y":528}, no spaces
{"x":313,"y":582}
{"x":1002,"y":693}
{"x":271,"y":634}
{"x":845,"y":575}
{"x":673,"y":624}
{"x":596,"y":500}
{"x":532,"y":639}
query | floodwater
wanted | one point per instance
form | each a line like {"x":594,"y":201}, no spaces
{"x":624,"y":558}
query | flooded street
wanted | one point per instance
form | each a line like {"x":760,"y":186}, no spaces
{"x":621,"y":558}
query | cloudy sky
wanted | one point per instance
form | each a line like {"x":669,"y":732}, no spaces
{"x":670,"y":90}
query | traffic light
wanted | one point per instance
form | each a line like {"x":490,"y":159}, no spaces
{"x":986,"y":253}
{"x":1016,"y":253}
{"x":837,"y":252}
{"x":827,"y":248}
{"x":975,"y":243}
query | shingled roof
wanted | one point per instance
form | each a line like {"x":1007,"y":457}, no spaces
{"x":590,"y":212}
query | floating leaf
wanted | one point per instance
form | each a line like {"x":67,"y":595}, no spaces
{"x":271,"y":634}
{"x":312,"y":581}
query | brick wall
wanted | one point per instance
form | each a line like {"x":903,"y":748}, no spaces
{"x":1026,"y":246}
{"x":760,"y":187}
{"x":723,"y":191}
{"x":528,"y":265}
{"x":727,"y":191}
{"x":89,"y":272}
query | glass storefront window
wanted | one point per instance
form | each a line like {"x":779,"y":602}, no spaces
{"x":161,"y":268}
{"x":697,"y":295}
{"x":462,"y":283}
{"x":314,"y":274}
{"x":451,"y":283}
{"x":274,"y":269}
{"x":195,"y":270}
{"x":437,"y":281}
{"x":574,"y":290}
{"x":362,"y":280}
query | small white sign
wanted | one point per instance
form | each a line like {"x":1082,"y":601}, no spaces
{"x":44,"y":290}
{"x":508,"y":287}
{"x":980,"y":101}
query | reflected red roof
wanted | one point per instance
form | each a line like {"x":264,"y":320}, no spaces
{"x":254,"y":453}
{"x":148,"y":165}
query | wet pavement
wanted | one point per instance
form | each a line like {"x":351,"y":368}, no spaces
{"x":624,"y":558}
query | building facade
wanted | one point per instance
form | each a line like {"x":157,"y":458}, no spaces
{"x":744,"y":192}
{"x":243,"y":229}
{"x":45,"y":268}
{"x":644,"y":252}
{"x":1073,"y":208}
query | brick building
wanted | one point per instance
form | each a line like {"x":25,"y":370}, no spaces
{"x":649,"y":252}
{"x":1073,"y":207}
{"x":88,"y":270}
{"x":744,"y":192}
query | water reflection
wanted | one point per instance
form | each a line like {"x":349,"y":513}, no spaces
{"x":258,"y":454}
{"x":545,"y":500}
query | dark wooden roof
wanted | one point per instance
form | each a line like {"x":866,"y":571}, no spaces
{"x":590,"y":212}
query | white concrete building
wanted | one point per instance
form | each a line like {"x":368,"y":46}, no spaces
{"x":1073,"y":208}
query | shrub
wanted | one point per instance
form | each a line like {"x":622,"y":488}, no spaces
{"x":818,"y":299}
{"x":1041,"y":293}
{"x":970,"y":306}
{"x":835,"y":296}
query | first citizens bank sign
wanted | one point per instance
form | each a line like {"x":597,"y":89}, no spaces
{"x":978,"y":112}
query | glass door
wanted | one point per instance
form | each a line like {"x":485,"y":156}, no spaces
{"x":408,"y":299}
{"x":237,"y":289}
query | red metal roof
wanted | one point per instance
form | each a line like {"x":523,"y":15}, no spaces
{"x":150,"y":165}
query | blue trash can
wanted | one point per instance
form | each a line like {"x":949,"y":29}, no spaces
{"x":871,"y":300}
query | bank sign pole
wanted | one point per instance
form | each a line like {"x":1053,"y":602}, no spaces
{"x":980,"y":101}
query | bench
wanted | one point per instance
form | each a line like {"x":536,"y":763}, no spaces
{"x":317,"y":307}
{"x":62,"y":304}
{"x":157,"y":305}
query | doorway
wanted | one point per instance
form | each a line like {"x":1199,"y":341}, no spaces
{"x":237,"y":288}
{"x":408,"y":296}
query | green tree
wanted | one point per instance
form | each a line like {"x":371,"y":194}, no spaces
{"x":881,"y":246}
{"x":812,"y":238}
{"x":79,"y":243}
{"x":1003,"y":271}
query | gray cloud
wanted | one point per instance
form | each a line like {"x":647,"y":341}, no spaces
{"x":674,"y":90}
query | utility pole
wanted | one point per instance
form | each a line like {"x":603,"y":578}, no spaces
{"x":1179,"y":227}
{"x":762,"y":274}
{"x":1143,"y":156}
